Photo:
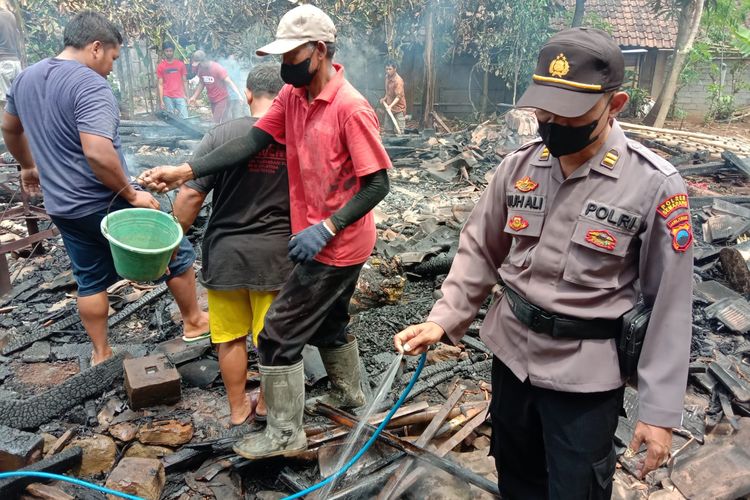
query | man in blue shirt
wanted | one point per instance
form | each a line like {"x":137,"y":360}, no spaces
{"x":61,"y":124}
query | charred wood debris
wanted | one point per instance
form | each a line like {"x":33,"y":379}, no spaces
{"x":59,"y":415}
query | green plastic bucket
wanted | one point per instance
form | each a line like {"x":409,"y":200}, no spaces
{"x":142,"y":241}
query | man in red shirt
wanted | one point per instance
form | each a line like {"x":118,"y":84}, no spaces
{"x":215,"y":79}
{"x":172,"y":75}
{"x":337,"y":174}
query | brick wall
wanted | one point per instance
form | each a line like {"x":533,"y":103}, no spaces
{"x":695,"y":98}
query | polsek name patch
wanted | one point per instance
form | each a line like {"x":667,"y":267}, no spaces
{"x":671,"y":204}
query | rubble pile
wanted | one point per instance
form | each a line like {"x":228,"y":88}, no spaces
{"x":153,"y":420}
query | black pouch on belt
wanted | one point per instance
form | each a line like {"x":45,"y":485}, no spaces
{"x":630,"y":341}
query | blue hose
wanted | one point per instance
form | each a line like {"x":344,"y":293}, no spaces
{"x":372,"y":439}
{"x":343,"y":470}
{"x":79,"y":482}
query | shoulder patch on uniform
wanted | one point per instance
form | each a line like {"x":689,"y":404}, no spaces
{"x":674,"y":202}
{"x":682,"y":232}
{"x":654,"y":159}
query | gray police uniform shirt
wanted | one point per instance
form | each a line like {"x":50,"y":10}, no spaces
{"x":576,"y":247}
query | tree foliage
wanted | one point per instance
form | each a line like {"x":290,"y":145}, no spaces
{"x":504,"y":36}
{"x":44,"y":20}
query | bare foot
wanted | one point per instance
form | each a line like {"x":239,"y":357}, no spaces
{"x":195,"y":328}
{"x":100,"y":357}
{"x":239,"y":415}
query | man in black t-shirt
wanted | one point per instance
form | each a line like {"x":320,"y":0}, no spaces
{"x":245,"y":245}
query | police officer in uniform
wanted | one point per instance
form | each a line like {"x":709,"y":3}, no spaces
{"x":575,"y":226}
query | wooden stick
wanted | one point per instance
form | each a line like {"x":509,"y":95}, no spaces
{"x":386,"y":437}
{"x":443,"y":450}
{"x":61,"y":441}
{"x":393,"y":119}
{"x":460,"y":420}
{"x":734,"y":147}
{"x":441,"y":122}
{"x":462,"y":434}
{"x":324,"y":437}
{"x":429,"y":414}
{"x":670,"y":131}
{"x":423,"y":440}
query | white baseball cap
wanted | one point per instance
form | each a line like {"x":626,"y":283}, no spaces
{"x":300,"y":25}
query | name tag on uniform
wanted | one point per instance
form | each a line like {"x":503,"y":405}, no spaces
{"x":612,"y":216}
{"x":529,"y":202}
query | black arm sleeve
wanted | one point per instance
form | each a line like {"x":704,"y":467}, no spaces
{"x":374,"y":188}
{"x":229,"y":154}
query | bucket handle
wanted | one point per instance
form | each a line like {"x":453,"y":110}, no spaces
{"x":117,"y":194}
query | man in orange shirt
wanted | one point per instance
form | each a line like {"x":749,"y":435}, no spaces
{"x":394,"y":99}
{"x":337,"y":175}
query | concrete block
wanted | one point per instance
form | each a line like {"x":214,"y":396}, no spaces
{"x":40,"y":491}
{"x":18,"y":448}
{"x":143,"y":477}
{"x":99,"y":454}
{"x":150,"y":381}
{"x":166,"y":433}
{"x":138,"y":450}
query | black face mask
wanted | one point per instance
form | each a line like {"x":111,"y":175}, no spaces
{"x":563,"y":140}
{"x":298,"y":75}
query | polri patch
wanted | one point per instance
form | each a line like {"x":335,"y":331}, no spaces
{"x":614,"y":216}
{"x":528,"y":202}
{"x":671,"y":204}
{"x":602,"y":239}
{"x":526,"y":185}
{"x":518,"y":223}
{"x":682,"y":232}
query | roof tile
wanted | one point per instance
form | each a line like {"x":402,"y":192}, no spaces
{"x":634,"y":23}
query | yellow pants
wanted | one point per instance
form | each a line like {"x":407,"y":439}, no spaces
{"x":235,"y":313}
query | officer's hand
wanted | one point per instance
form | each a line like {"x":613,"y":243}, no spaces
{"x":658,"y":442}
{"x":416,"y":339}
{"x":308,"y":243}
{"x":30,"y":181}
{"x":142,"y":199}
{"x":162,"y":179}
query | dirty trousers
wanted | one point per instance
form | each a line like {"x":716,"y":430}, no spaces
{"x":311,"y":308}
{"x":552,"y":444}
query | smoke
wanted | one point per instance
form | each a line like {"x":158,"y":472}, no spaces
{"x":237,"y":67}
{"x":363,"y":65}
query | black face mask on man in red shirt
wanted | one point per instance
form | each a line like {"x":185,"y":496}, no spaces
{"x":298,"y":75}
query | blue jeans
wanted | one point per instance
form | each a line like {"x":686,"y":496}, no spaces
{"x":179,"y":104}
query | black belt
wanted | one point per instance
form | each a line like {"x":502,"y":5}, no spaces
{"x":559,"y":326}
